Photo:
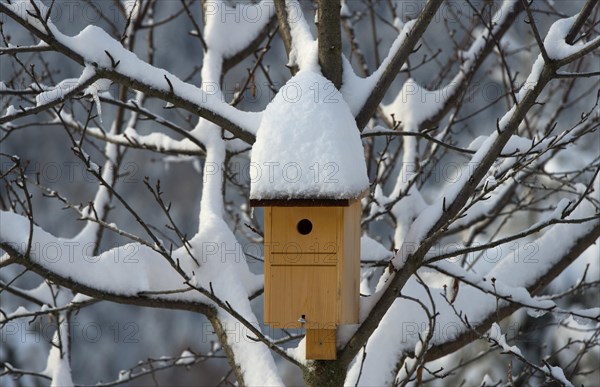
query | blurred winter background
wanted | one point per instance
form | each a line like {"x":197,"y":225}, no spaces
{"x":108,"y":337}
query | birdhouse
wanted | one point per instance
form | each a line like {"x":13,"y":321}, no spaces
{"x":309,"y":174}
{"x":312,"y":268}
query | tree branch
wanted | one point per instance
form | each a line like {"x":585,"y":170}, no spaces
{"x":45,"y":106}
{"x":483,"y":160}
{"x":230,"y":61}
{"x":330,"y":40}
{"x":496,"y":33}
{"x":216,"y":111}
{"x":397,"y":61}
{"x":284,"y":25}
{"x":76,"y":286}
{"x":584,"y":14}
{"x":577,"y":248}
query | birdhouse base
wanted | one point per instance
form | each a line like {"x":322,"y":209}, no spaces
{"x":320,"y":344}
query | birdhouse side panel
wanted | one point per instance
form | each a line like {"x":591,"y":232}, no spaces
{"x":267,"y":267}
{"x":349,"y":269}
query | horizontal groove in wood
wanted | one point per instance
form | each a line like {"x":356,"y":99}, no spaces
{"x":295,"y":248}
{"x":302,"y":259}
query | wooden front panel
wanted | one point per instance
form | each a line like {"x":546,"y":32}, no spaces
{"x":296,"y":291}
{"x":287,"y":238}
{"x":319,"y":275}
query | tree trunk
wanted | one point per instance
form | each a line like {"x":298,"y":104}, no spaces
{"x":330,"y":40}
{"x":325,"y":373}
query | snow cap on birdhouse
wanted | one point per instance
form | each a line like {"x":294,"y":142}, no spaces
{"x":308,"y":145}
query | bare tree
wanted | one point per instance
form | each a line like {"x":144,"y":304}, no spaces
{"x":478,"y":121}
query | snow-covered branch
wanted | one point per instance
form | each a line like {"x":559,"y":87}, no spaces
{"x":431,"y":222}
{"x":94,"y":47}
{"x":483,"y":169}
{"x":380,"y":80}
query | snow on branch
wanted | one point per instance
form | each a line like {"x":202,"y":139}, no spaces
{"x":378,"y":83}
{"x":157,"y":142}
{"x":497,"y":338}
{"x":434,"y":104}
{"x":303,"y":49}
{"x":423,"y":306}
{"x":93,"y":46}
{"x":59,"y":364}
{"x":250,"y":31}
{"x":222,"y":54}
{"x":201,"y":275}
{"x":108,"y":274}
{"x":433,"y":221}
{"x":557,"y":47}
{"x":52,"y":97}
{"x":510,"y":281}
{"x":155,"y":284}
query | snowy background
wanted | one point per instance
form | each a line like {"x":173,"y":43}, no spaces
{"x":108,"y":337}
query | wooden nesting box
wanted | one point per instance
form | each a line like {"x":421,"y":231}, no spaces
{"x":312,"y":268}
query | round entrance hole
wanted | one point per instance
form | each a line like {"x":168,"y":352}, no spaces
{"x":304,"y":226}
